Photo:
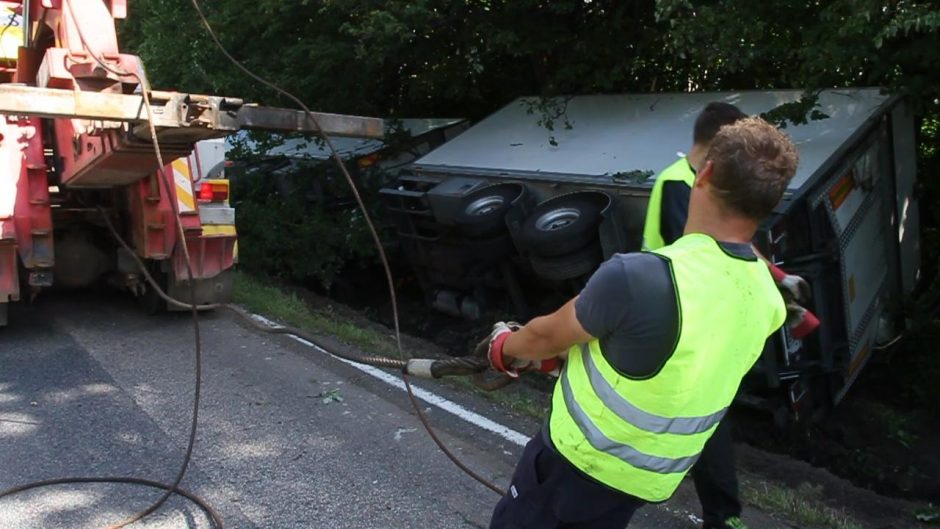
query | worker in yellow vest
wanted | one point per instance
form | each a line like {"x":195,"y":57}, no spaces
{"x":714,"y":473}
{"x":669,"y":201}
{"x":656,"y":345}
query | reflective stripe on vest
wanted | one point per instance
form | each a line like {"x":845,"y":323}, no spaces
{"x":680,"y":171}
{"x":639,"y":418}
{"x":641,"y":436}
{"x":627,"y":454}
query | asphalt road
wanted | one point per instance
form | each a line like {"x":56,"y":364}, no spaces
{"x":288,"y":437}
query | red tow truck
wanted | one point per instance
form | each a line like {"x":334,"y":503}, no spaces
{"x":76,"y":147}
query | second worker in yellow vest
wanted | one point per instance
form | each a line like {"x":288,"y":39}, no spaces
{"x":669,"y":200}
{"x":656,"y":346}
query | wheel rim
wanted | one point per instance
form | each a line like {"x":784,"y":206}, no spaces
{"x":485,"y":205}
{"x":557,"y":219}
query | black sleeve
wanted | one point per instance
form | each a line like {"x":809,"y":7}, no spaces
{"x":675,"y":210}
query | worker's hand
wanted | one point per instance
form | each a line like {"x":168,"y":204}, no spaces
{"x":795,"y":313}
{"x":797,"y":287}
{"x":549,"y":366}
{"x":491,"y":347}
{"x":793,"y":287}
{"x":800,"y":320}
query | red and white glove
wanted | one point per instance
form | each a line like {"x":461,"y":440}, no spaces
{"x":549,"y":366}
{"x":506,"y":364}
{"x":800,"y":320}
{"x":798,"y":288}
{"x":795,"y":290}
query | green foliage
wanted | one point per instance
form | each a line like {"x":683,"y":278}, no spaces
{"x":916,"y":361}
{"x":550,"y":109}
{"x":895,"y":424}
{"x":798,"y":112}
{"x":445,"y":58}
{"x":402,"y":57}
{"x":300,"y":223}
{"x":837,"y":43}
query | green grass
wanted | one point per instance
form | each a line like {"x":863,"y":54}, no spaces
{"x":271,"y":302}
{"x":524,"y":402}
{"x":929,"y":514}
{"x":802,"y":505}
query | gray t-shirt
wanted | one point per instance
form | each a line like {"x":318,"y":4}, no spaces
{"x":629,"y":304}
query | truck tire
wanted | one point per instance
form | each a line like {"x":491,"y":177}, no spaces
{"x":571,"y":266}
{"x":4,"y":312}
{"x":560,"y":228}
{"x":482,"y":213}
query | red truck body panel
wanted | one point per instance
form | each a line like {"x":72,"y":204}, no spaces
{"x":109,"y":165}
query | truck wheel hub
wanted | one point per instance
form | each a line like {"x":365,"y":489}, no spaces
{"x":485,"y":206}
{"x":557,"y":219}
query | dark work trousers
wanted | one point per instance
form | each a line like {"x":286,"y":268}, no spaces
{"x":547,"y":492}
{"x":715,"y":478}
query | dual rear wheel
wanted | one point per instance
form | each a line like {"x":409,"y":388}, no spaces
{"x":561,"y":238}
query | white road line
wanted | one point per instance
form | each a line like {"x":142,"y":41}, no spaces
{"x":431,"y":398}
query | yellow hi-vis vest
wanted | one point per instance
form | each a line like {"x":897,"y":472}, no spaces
{"x":652,"y":229}
{"x":641,"y":435}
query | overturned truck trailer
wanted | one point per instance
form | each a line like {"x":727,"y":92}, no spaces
{"x":512,"y":210}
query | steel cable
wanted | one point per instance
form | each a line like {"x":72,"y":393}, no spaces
{"x":173,"y":488}
{"x":445,"y":367}
{"x":373,"y":232}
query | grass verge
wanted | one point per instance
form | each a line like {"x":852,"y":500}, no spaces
{"x":802,"y":505}
{"x":266,"y":299}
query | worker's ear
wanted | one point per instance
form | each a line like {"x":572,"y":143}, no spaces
{"x":704,"y":174}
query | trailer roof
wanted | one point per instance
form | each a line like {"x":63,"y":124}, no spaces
{"x":612,"y":134}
